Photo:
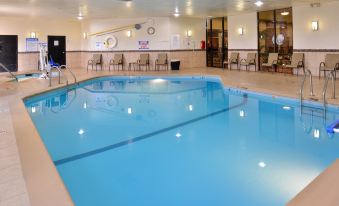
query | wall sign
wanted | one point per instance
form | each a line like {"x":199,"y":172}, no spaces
{"x":32,"y":44}
{"x":143,"y":45}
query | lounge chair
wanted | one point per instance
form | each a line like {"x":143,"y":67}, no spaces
{"x":161,"y":61}
{"x":95,"y":61}
{"x":116,"y":61}
{"x":250,"y":60}
{"x":272,"y":61}
{"x":297,"y":62}
{"x":143,"y":61}
{"x":234,"y":59}
{"x":331,"y":63}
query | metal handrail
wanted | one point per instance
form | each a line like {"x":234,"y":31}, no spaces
{"x":301,"y":91}
{"x":7,"y":70}
{"x":70,"y":71}
{"x":59,"y":75}
{"x":332,"y":76}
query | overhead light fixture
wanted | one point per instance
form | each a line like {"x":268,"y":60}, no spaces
{"x":285,"y":13}
{"x":315,"y":25}
{"x":259,"y":3}
{"x":33,"y":109}
{"x":178,"y":135}
{"x":33,"y":35}
{"x":241,"y":31}
{"x":128,"y":4}
{"x":176,"y":14}
{"x":190,"y":107}
{"x":176,"y":10}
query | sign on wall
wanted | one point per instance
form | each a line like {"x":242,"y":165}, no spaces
{"x":175,"y":41}
{"x":32,"y":44}
{"x":143,"y":45}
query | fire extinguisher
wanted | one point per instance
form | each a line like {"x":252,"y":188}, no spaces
{"x":202,"y":44}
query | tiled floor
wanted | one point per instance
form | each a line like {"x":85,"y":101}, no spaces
{"x":12,"y":185}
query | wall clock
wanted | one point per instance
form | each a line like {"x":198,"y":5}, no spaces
{"x":150,"y":30}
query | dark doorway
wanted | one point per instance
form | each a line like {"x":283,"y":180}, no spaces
{"x":217,"y":42}
{"x":9,"y":52}
{"x":57,"y":49}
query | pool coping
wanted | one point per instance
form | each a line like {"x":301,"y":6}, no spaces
{"x":43,"y":182}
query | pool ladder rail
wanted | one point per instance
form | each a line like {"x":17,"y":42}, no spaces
{"x":307,"y":72}
{"x":60,"y":72}
{"x":7,"y":70}
{"x":332,"y":76}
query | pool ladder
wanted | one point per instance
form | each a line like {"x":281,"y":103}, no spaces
{"x":58,"y":69}
{"x":332,"y":76}
{"x":307,"y":72}
{"x":7,"y":70}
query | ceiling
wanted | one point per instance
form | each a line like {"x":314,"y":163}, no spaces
{"x":95,"y":9}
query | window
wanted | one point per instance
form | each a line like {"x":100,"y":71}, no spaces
{"x":275,"y":35}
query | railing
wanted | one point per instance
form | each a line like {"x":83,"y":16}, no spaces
{"x":7,"y":70}
{"x":331,"y":75}
{"x":70,"y":71}
{"x":59,"y":75}
{"x":301,"y":92}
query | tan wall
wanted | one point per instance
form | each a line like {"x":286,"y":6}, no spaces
{"x":23,"y":26}
{"x":188,"y":59}
{"x":77,"y":59}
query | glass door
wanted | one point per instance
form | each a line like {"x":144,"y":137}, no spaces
{"x":216,"y":41}
{"x":275,"y":35}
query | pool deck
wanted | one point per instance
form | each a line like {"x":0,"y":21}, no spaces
{"x":29,"y":177}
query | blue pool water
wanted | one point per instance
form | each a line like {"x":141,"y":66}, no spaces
{"x":22,"y":77}
{"x":181,"y":141}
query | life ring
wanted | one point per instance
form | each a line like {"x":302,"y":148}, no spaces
{"x":111,"y":42}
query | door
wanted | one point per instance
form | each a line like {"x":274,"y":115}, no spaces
{"x":9,"y":52}
{"x":57,"y":49}
{"x":216,"y":34}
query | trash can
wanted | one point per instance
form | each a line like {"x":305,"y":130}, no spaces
{"x":175,"y":64}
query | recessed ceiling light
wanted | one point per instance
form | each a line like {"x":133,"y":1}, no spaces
{"x":259,"y":3}
{"x":178,"y":135}
{"x":190,"y":107}
{"x":176,"y":14}
{"x":80,"y":17}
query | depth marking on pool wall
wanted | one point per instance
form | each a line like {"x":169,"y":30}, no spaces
{"x":146,"y":136}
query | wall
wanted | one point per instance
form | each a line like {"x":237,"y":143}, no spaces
{"x":161,"y":40}
{"x":80,"y":50}
{"x":316,"y":44}
{"x":248,"y":42}
{"x":188,"y":52}
{"x":43,"y":27}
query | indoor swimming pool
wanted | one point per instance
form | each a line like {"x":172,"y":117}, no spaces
{"x":184,"y":141}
